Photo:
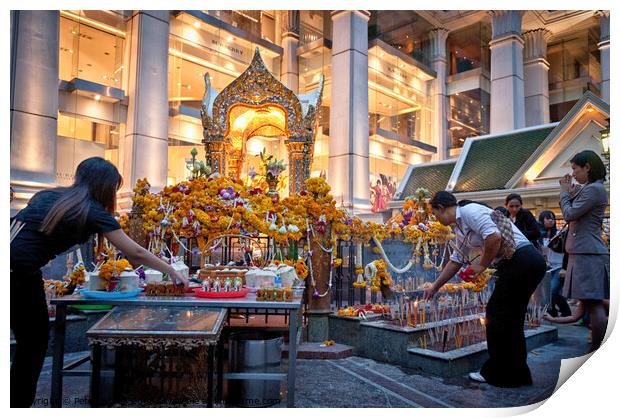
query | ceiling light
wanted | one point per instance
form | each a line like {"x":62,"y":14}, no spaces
{"x":97,"y":97}
{"x":197,"y":24}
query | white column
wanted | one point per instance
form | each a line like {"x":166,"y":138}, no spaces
{"x":536,"y":73}
{"x":604,"y":47}
{"x":507,"y":91}
{"x":441,"y":106}
{"x":34,"y":102}
{"x":143,"y":152}
{"x":290,"y":42}
{"x":349,"y":170}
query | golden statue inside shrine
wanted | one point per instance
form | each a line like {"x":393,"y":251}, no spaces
{"x":255,"y":112}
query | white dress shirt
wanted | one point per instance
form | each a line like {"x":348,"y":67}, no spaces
{"x":473,"y":226}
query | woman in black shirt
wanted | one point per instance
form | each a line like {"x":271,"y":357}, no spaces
{"x":54,"y":221}
{"x":523,"y":218}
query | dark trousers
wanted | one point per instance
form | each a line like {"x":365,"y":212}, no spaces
{"x":30,"y":325}
{"x":517,"y":279}
{"x":557,"y":300}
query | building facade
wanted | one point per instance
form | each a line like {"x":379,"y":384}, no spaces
{"x":401,"y":87}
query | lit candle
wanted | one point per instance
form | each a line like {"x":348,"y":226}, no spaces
{"x":415,"y":313}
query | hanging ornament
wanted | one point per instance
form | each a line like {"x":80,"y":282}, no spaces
{"x":321,"y":224}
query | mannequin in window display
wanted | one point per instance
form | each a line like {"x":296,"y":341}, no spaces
{"x":379,"y":204}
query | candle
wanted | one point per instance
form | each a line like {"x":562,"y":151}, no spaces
{"x":407,"y":312}
{"x":415,"y":313}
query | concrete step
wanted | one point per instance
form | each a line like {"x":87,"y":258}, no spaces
{"x":314,"y":351}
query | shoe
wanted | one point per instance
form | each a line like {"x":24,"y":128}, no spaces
{"x":477,"y":377}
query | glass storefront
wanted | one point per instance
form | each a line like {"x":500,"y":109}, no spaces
{"x":468,"y":48}
{"x":469,"y":115}
{"x":574,"y":67}
{"x":260,"y":23}
{"x":313,"y":64}
{"x":91,"y":48}
{"x":404,"y":30}
{"x":313,"y":25}
{"x":399,"y":113}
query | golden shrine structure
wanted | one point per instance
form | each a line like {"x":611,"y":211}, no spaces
{"x":256,"y":104}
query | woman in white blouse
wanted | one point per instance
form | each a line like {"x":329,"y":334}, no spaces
{"x":517,"y":278}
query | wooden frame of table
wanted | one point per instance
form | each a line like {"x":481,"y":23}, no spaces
{"x":249,"y":302}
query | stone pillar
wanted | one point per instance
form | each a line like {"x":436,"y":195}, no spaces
{"x":507,"y":91}
{"x":441,"y":108}
{"x":34,"y":102}
{"x":604,"y":47}
{"x":349,"y":170}
{"x":143,"y":152}
{"x":290,"y":42}
{"x":536,"y":73}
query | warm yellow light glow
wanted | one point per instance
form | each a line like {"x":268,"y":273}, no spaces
{"x":530,"y":176}
{"x":254,"y":146}
{"x":190,"y":34}
{"x":23,"y":196}
{"x":91,"y":22}
{"x":204,"y":63}
{"x":389,"y":92}
{"x":246,"y":121}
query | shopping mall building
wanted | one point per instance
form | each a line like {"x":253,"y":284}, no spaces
{"x":401,"y":88}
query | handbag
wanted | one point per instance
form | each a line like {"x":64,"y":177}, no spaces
{"x":558,"y":242}
{"x":508,"y":247}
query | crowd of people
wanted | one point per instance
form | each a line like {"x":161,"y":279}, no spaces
{"x":523,"y":250}
{"x":515,"y":243}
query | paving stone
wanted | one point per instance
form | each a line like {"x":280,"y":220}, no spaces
{"x":358,"y":382}
{"x":307,"y":351}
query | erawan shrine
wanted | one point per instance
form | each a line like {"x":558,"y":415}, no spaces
{"x":250,"y":282}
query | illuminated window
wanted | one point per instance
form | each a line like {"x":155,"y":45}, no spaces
{"x":574,"y":68}
{"x":468,"y":48}
{"x":405,"y":30}
{"x":469,"y":115}
{"x":88,"y":50}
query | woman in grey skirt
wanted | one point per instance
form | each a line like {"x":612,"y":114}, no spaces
{"x":587,"y":274}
